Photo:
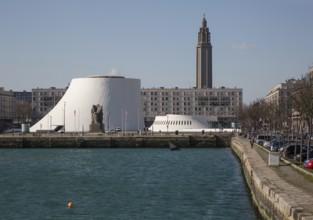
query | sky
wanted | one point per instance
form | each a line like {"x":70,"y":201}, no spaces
{"x":257,"y":44}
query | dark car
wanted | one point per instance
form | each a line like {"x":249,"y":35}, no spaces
{"x":304,"y":155}
{"x":276,"y":144}
{"x":291,"y":149}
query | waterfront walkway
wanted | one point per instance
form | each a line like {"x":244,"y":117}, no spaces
{"x":293,"y":187}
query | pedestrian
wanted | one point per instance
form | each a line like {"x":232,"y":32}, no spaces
{"x":252,"y":142}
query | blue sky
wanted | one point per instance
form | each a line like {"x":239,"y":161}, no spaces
{"x":257,"y":44}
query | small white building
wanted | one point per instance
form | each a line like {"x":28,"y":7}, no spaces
{"x":184,"y":123}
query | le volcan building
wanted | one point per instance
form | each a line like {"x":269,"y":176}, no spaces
{"x":203,"y":99}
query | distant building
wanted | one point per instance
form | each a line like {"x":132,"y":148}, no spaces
{"x":44,"y":99}
{"x":280,"y":95}
{"x":23,"y":96}
{"x":204,"y":58}
{"x":220,"y":102}
{"x":23,"y":107}
{"x":7,"y":109}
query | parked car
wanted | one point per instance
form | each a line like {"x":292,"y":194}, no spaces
{"x":291,"y":149}
{"x":308,"y":164}
{"x":304,"y":155}
{"x":276,"y":144}
{"x":261,"y":138}
{"x":267,"y":143}
{"x":12,"y":130}
{"x":281,"y":148}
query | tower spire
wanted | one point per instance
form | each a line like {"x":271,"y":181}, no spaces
{"x":204,"y":57}
{"x":204,"y":21}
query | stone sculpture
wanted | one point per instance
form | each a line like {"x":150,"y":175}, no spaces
{"x":96,"y":114}
{"x":96,"y":119}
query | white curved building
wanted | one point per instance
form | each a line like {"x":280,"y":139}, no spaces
{"x":119,"y":98}
{"x":184,"y":123}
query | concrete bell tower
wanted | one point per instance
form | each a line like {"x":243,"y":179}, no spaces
{"x":204,"y":57}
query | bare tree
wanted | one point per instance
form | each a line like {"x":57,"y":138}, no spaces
{"x":302,"y":101}
{"x":23,"y":111}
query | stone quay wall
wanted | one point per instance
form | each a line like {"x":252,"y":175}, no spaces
{"x":274,"y":198}
{"x":101,"y":140}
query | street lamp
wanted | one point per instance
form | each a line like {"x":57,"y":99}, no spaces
{"x":64,"y":117}
{"x":109,"y":122}
{"x":167,"y":123}
{"x":74,"y":120}
{"x":50,"y":122}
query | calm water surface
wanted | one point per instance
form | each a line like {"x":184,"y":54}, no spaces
{"x":122,"y":184}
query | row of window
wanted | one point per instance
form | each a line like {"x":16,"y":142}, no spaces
{"x":167,"y":104}
{"x":191,"y":93}
{"x":55,"y":99}
{"x":167,"y":98}
{"x":203,"y":104}
{"x":48,"y":94}
{"x":202,"y":99}
{"x":156,"y":111}
{"x":173,"y":122}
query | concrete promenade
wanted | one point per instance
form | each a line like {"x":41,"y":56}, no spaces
{"x":277,"y":195}
{"x":103,"y":140}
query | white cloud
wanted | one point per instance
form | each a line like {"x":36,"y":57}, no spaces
{"x":243,"y":46}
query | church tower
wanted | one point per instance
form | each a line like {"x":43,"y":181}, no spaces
{"x":204,"y":57}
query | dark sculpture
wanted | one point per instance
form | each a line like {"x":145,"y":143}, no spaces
{"x":96,"y":114}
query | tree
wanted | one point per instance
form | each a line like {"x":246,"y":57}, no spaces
{"x":302,"y":102}
{"x":23,"y":111}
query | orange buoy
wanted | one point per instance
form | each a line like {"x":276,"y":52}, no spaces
{"x":70,"y":205}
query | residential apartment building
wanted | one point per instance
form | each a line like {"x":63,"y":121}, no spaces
{"x":44,"y":99}
{"x":23,"y":107}
{"x":280,"y":95}
{"x":7,"y":109}
{"x":220,"y":102}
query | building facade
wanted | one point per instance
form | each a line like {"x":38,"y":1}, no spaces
{"x":280,"y":95}
{"x":220,"y":102}
{"x":204,"y":57}
{"x":7,"y":109}
{"x":280,"y":100}
{"x":44,"y":99}
{"x":23,"y":107}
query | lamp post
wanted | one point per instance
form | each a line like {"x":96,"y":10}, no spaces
{"x":64,"y":117}
{"x":138,"y":120}
{"x":109,"y":122}
{"x":122,"y":120}
{"x":50,"y":122}
{"x":74,"y":120}
{"x":125,"y":121}
{"x":167,"y":123}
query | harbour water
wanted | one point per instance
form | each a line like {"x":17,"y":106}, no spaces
{"x":123,"y":184}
